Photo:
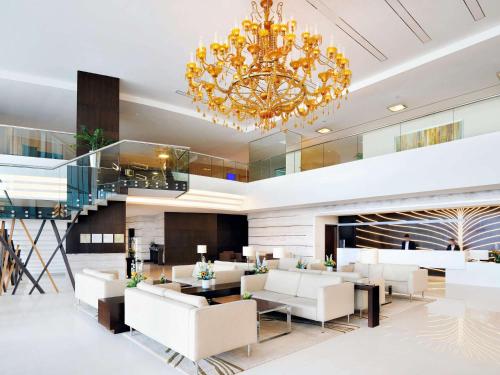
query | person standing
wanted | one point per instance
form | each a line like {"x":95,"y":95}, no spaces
{"x":452,"y":245}
{"x":407,"y":243}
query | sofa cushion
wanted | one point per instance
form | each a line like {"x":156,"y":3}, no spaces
{"x":376,"y":271}
{"x":186,"y":280}
{"x":363,"y":269}
{"x":196,"y":301}
{"x":282,"y":282}
{"x":398,"y":272}
{"x":303,"y":307}
{"x":346,"y":276}
{"x":287,"y":263}
{"x":317,"y":272}
{"x":100,"y":275}
{"x":235,"y":265}
{"x":310,"y":284}
{"x":224,"y":267}
{"x":270,"y":296}
{"x":150,"y":288}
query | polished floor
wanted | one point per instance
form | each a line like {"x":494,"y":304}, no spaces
{"x":458,"y":333}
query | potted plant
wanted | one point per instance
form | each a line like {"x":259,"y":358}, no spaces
{"x":329,"y":263}
{"x":206,"y":274}
{"x":94,"y":141}
{"x":136,"y":278}
{"x":301,"y":265}
{"x":246,"y":295}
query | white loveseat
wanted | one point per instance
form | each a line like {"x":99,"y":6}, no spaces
{"x":91,"y":285}
{"x":225,"y":272}
{"x":311,"y":296}
{"x":404,"y":279}
{"x":187,"y":324}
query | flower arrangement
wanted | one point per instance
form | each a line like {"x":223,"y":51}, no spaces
{"x":261,"y":267}
{"x":205,"y":271}
{"x":247,"y":295}
{"x":495,"y":254}
{"x":329,"y":262}
{"x":163,"y":278}
{"x":136,"y":279}
{"x":301,"y":265}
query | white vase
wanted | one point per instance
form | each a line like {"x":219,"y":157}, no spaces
{"x":95,"y":160}
{"x":329,"y":269}
{"x":205,"y":284}
{"x":212,"y":282}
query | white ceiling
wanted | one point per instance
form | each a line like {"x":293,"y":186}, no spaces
{"x":147,"y":43}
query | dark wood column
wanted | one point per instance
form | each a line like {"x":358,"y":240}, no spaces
{"x":98,"y":105}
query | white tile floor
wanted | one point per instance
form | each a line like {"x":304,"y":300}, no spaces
{"x":457,"y":334}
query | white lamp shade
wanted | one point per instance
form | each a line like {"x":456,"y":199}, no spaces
{"x":201,"y":249}
{"x":248,"y":251}
{"x":278,"y":253}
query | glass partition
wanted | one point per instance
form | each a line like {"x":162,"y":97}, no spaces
{"x":36,"y":143}
{"x":446,"y":126}
{"x":211,"y":166}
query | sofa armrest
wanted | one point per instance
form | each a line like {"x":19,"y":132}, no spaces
{"x":214,"y":328}
{"x":182,"y":271}
{"x":253,"y":283}
{"x":418,"y":281}
{"x":335,"y":301}
{"x":114,"y":288}
{"x":347,"y":268}
{"x":229,"y":276}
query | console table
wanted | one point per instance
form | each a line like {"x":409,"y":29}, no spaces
{"x":111,"y":314}
{"x":373,"y":303}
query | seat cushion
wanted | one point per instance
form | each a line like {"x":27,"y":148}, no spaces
{"x":310,"y":284}
{"x":270,"y":296}
{"x":363,"y":269}
{"x":186,"y":280}
{"x":282,"y":282}
{"x":150,"y":288}
{"x":196,"y":301}
{"x":398,"y":272}
{"x":376,"y":271}
{"x":303,"y":307}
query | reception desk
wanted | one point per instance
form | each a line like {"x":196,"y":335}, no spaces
{"x":422,"y":258}
{"x":459,"y":270}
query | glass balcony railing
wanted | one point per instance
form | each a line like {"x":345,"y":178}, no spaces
{"x":55,"y":192}
{"x":480,"y":117}
{"x":37,"y":143}
{"x":210,"y":166}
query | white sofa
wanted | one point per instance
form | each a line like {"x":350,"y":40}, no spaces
{"x":187,"y":324}
{"x":360,"y":296}
{"x":91,"y":285}
{"x":312,"y":296}
{"x":225,"y":272}
{"x":404,"y":279}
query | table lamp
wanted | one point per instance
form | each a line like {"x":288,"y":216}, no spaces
{"x":248,"y":251}
{"x":201,"y":249}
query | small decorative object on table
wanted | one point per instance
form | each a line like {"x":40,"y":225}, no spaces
{"x":136,"y":279}
{"x":261,"y":267}
{"x":495,"y":254}
{"x":206,"y":274}
{"x":247,"y":295}
{"x":329,"y":263}
{"x":301,"y":265}
{"x":163,"y":278}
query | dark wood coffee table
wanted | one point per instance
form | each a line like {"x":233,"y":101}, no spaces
{"x":111,"y":314}
{"x":217,"y":290}
{"x":167,"y":281}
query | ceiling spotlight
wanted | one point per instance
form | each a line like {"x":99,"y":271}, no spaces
{"x":163,"y":156}
{"x":323,"y":131}
{"x":396,"y":107}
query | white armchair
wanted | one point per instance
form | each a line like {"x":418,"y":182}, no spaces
{"x":91,"y":285}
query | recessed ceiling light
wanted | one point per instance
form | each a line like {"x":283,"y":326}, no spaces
{"x":163,"y":155}
{"x":396,"y":107}
{"x":323,"y":131}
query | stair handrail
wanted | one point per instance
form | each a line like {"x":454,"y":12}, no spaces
{"x":66,"y":162}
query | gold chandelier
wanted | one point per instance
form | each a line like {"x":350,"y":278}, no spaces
{"x":263,"y":74}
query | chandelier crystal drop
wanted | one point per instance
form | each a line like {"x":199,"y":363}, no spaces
{"x":264,"y":74}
